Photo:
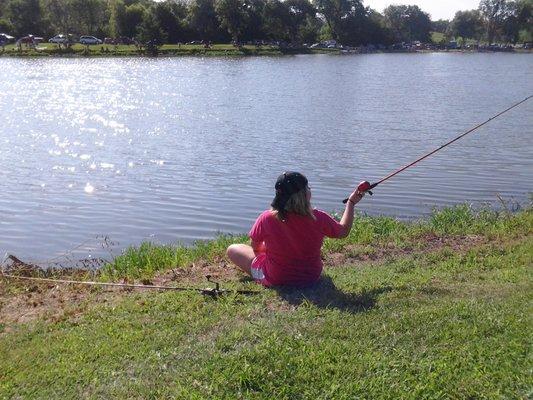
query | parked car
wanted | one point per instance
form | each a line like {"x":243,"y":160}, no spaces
{"x":59,"y":39}
{"x":89,"y":40}
{"x":5,"y":39}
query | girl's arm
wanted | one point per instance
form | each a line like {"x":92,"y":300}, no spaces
{"x":347,"y":217}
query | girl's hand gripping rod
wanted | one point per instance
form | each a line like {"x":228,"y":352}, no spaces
{"x":363,"y":187}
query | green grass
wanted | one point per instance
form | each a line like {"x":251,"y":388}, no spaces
{"x":437,"y":37}
{"x":440,"y":324}
{"x":50,"y":49}
{"x":144,"y":261}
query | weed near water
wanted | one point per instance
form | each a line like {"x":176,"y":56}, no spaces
{"x":458,"y":220}
{"x":148,"y":259}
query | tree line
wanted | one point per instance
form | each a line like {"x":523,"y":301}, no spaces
{"x":289,"y":21}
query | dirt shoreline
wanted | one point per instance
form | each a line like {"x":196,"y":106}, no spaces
{"x":24,"y":302}
{"x":110,"y":53}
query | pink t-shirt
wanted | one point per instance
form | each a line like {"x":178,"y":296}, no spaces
{"x":293,"y":247}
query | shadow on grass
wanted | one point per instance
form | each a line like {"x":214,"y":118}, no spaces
{"x":324,"y":294}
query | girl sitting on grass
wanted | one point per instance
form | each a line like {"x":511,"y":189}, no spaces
{"x":287,"y":239}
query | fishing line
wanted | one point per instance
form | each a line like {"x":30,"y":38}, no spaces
{"x":367,"y":187}
{"x":213,"y":292}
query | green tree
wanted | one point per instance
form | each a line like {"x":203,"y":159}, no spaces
{"x":408,"y":23}
{"x":150,"y":30}
{"x":494,"y":12}
{"x":171,"y":17}
{"x":467,"y":25}
{"x":525,"y":20}
{"x":25,"y":16}
{"x":59,"y":15}
{"x":232,"y":16}
{"x":339,"y":13}
{"x":376,"y":31}
{"x":518,"y":23}
{"x":354,"y":27}
{"x":203,"y":20}
{"x":310,"y":29}
{"x":441,"y":26}
{"x":254,"y":22}
{"x":302,"y":14}
{"x":133,"y":18}
{"x":117,"y":18}
{"x":89,"y":16}
{"x":394,"y":18}
{"x":277,"y":20}
{"x":6,"y":26}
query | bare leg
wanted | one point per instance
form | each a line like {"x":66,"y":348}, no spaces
{"x":242,"y":256}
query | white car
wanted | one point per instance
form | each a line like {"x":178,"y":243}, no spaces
{"x":59,"y":39}
{"x":90,"y":40}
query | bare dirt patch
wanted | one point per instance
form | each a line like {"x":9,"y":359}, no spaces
{"x":27,"y":301}
{"x":197,"y":272}
{"x":427,"y":243}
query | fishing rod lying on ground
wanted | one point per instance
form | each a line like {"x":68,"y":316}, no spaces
{"x":366,"y":186}
{"x":214,"y":292}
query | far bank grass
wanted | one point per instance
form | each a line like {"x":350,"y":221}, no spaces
{"x":50,"y":49}
{"x":443,"y":324}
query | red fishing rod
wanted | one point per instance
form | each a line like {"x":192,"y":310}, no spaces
{"x":366,"y":186}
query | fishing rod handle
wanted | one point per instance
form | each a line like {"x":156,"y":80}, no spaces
{"x":363,"y":187}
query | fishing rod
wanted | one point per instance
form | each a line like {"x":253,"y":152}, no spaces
{"x":214,"y":292}
{"x":366,"y":186}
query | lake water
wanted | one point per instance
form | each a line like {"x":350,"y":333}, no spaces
{"x":179,"y":149}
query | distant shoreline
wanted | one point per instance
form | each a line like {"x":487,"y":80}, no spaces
{"x":77,"y":50}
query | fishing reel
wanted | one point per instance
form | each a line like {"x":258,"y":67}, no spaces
{"x":216,"y":292}
{"x":364,"y":187}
